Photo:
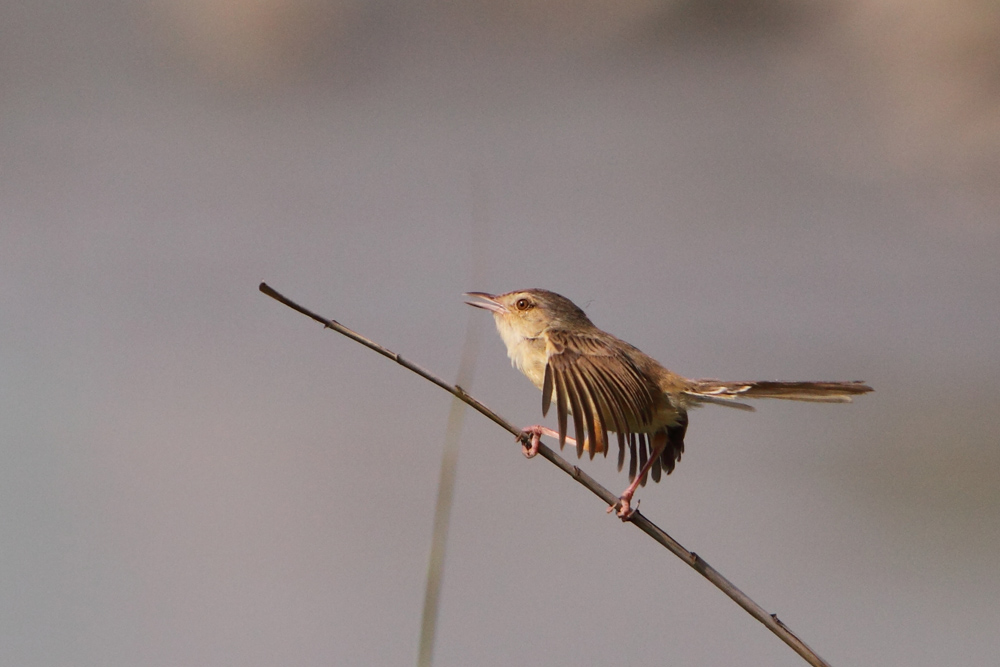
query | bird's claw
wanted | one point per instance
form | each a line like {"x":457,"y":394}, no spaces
{"x":625,"y":509}
{"x":530,"y":450}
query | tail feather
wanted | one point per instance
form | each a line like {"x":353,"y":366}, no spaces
{"x":716,"y":391}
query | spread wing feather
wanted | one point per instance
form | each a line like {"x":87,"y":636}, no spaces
{"x":547,"y":390}
{"x":608,"y":407}
{"x":585,"y":403}
{"x":561,"y":406}
{"x":599,"y":386}
{"x":573,"y":402}
{"x":632,"y":460}
{"x":654,"y":470}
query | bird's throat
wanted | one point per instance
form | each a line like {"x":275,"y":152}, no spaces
{"x":527,"y":354}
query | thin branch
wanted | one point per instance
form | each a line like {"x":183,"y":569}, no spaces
{"x":770,"y":621}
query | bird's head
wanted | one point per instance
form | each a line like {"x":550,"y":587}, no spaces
{"x":527,"y":313}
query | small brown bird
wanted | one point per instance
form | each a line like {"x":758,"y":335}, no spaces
{"x":608,"y":385}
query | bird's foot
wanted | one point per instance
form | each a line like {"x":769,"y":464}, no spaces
{"x":530,"y":448}
{"x":624,"y":507}
{"x":535,"y":433}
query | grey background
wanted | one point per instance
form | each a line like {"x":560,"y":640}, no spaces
{"x":193,"y":474}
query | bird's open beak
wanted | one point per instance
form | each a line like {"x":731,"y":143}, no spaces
{"x":489,"y":302}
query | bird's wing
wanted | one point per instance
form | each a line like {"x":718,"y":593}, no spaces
{"x":599,"y":385}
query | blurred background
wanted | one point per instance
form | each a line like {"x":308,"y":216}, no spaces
{"x":193,"y":474}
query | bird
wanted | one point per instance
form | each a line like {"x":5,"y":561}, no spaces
{"x":607,"y":385}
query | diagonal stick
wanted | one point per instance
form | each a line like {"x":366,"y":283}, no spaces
{"x":770,"y":621}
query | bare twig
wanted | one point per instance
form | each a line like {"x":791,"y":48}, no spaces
{"x":770,"y":621}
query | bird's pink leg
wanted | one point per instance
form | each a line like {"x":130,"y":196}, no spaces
{"x":626,"y":511}
{"x":536,"y":432}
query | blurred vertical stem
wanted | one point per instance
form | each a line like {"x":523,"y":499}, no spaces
{"x":456,"y":417}
{"x":446,"y":493}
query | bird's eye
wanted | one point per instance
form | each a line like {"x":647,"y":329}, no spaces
{"x":522,"y":304}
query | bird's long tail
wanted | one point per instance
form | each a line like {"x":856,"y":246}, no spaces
{"x":729,"y":393}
